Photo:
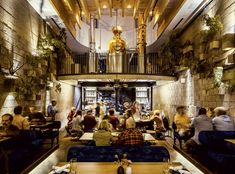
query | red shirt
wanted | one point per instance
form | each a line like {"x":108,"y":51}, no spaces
{"x":131,"y":137}
{"x":114,"y":121}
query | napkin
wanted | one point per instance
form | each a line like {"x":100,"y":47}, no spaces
{"x":61,"y":169}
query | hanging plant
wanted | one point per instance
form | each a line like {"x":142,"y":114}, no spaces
{"x":48,"y":45}
{"x":214,"y":27}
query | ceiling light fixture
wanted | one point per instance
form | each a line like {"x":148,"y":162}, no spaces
{"x":104,"y":6}
{"x":129,"y":6}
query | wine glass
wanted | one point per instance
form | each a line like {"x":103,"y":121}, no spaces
{"x":167,"y":169}
{"x":73,"y":166}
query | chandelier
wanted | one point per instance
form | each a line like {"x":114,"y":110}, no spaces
{"x":117,"y":84}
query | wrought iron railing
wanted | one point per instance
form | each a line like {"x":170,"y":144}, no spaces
{"x":80,"y":64}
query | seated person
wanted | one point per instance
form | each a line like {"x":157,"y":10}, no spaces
{"x":182,"y":122}
{"x":136,"y":111}
{"x":103,"y":136}
{"x":210,"y":112}
{"x":18,"y":120}
{"x":221,"y":121}
{"x":113,"y":118}
{"x":130,"y":136}
{"x":159,"y":126}
{"x":110,"y":126}
{"x":8,"y":129}
{"x":70,"y":116}
{"x":76,"y":129}
{"x":200,"y":123}
{"x":89,"y":122}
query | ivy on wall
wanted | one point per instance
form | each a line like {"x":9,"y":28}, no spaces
{"x":29,"y":76}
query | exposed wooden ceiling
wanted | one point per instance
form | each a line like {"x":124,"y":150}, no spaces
{"x":109,"y":7}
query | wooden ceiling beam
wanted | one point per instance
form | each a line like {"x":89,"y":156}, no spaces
{"x":85,"y":8}
{"x":136,"y":6}
{"x":148,"y":9}
{"x":98,"y":8}
{"x":159,"y":9}
{"x":123,"y":7}
{"x":110,"y":8}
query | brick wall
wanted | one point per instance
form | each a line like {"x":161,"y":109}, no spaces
{"x":197,"y":92}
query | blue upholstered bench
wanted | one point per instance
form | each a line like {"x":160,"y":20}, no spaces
{"x":107,"y":153}
{"x":219,"y":153}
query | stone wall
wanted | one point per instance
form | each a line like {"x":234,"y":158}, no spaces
{"x":200,"y":92}
{"x":20,"y":26}
{"x":65,"y":100}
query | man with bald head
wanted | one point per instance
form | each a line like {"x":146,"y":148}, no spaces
{"x":130,"y":136}
{"x":222,"y":122}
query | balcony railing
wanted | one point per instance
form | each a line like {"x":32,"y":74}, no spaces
{"x":80,"y":64}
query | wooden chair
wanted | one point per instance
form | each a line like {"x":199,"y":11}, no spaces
{"x":53,"y":132}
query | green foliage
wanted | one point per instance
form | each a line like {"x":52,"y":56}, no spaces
{"x":170,"y":52}
{"x":214,"y":24}
{"x":47,"y":45}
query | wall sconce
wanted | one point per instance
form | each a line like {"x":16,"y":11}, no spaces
{"x":228,"y":41}
{"x":50,"y":84}
{"x":182,"y":80}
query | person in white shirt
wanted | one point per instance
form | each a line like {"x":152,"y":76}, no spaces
{"x":200,"y":123}
{"x":52,"y":110}
{"x":18,"y":120}
{"x":221,"y":121}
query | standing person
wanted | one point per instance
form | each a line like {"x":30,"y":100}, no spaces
{"x":52,"y":110}
{"x":97,"y":109}
{"x":200,"y":123}
{"x":8,"y":129}
{"x":18,"y":120}
{"x":89,"y":122}
{"x":221,"y":121}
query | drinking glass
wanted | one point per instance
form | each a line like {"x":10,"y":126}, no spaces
{"x":73,"y":165}
{"x":167,"y":169}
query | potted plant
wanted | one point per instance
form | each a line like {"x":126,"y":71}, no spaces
{"x":213,"y":33}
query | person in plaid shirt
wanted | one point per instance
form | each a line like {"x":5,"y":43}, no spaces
{"x":130,"y":136}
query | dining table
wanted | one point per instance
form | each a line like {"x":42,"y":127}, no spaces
{"x":230,"y":140}
{"x":40,"y":126}
{"x":111,"y":167}
{"x":88,"y":136}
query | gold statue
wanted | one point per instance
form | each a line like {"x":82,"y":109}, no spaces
{"x":117,"y":50}
{"x":117,"y":44}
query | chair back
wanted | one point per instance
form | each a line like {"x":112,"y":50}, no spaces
{"x":56,"y":125}
{"x":166,"y":123}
